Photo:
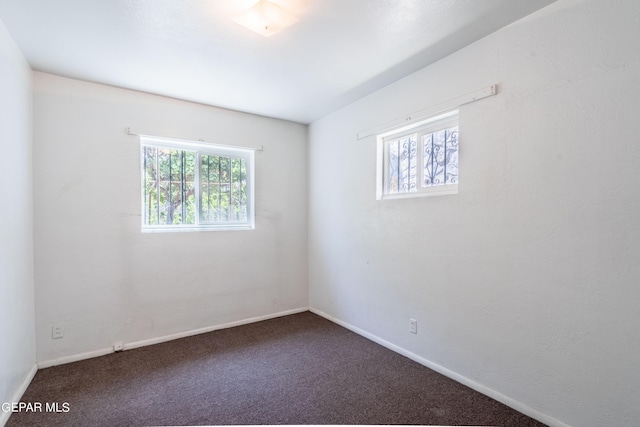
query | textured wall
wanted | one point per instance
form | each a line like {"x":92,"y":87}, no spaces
{"x":104,"y":280}
{"x":17,"y":345}
{"x":526,"y":282}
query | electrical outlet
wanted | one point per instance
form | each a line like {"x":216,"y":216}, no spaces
{"x":118,"y":346}
{"x":413,"y":326}
{"x":57,"y":331}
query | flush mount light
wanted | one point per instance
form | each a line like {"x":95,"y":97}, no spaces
{"x":265,"y":18}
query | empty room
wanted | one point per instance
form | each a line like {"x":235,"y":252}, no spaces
{"x":299,"y":212}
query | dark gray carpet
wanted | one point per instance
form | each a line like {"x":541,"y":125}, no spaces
{"x":299,"y":369}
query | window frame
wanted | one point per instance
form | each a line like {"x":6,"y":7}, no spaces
{"x":200,"y":149}
{"x":421,"y":128}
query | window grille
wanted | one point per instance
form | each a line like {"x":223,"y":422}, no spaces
{"x":195,"y":186}
{"x":419,"y":160}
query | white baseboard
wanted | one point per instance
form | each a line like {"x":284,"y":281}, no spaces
{"x":4,"y":416}
{"x":512,"y":403}
{"x":171,"y":337}
{"x":74,"y":358}
{"x":165,"y":338}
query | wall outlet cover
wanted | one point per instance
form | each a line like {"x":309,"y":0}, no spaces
{"x":57,"y":331}
{"x":413,"y":326}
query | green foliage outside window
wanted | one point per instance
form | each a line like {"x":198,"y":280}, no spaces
{"x":169,"y":183}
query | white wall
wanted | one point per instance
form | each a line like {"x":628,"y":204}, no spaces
{"x":526,"y":282}
{"x":104,"y":280}
{"x":17,"y":341}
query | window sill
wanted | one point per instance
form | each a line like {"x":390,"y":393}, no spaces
{"x":243,"y":227}
{"x":433,"y":191}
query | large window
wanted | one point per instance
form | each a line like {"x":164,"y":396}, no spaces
{"x":418,"y":160}
{"x":190,"y":186}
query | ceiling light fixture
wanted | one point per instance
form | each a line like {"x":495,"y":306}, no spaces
{"x":265,"y":18}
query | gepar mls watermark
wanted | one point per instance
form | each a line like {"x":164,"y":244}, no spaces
{"x":56,"y":407}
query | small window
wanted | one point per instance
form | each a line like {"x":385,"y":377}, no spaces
{"x":191,"y":186}
{"x":420,"y":159}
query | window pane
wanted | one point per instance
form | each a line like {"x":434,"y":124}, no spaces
{"x":175,"y":188}
{"x":393,"y":166}
{"x":441,"y":157}
{"x":223,"y":182}
{"x":149,"y":185}
{"x":206,"y":177}
{"x":169,"y":186}
{"x":208,"y":187}
{"x":402,"y":158}
{"x":181,"y":206}
{"x":189,"y":190}
{"x":238,"y":190}
{"x":164,"y":157}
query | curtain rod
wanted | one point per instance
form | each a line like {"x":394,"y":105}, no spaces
{"x":129,"y":131}
{"x":425,"y":113}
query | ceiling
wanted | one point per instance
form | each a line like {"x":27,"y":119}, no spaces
{"x":339,"y":51}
